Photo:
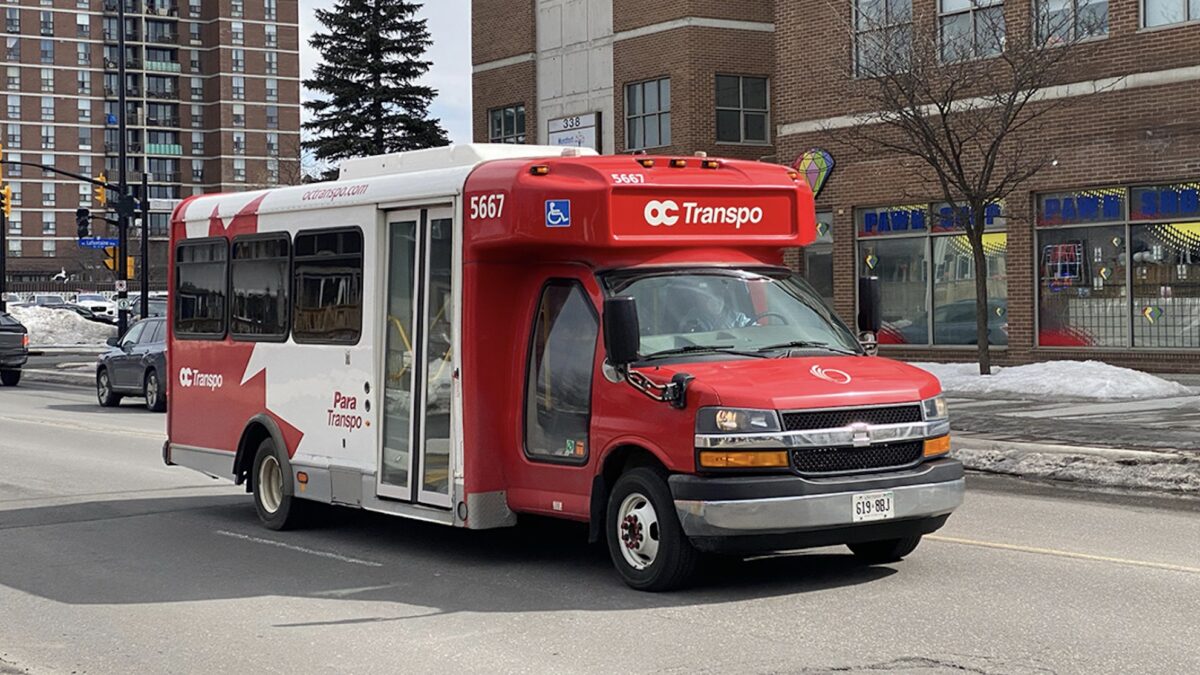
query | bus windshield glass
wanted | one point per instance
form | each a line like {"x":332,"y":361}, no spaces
{"x":746,"y":312}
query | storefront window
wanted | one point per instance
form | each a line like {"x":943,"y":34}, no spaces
{"x":922,"y":258}
{"x":818,"y":258}
{"x":1133,"y":283}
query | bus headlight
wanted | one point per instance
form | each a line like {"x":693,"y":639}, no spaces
{"x":736,"y":421}
{"x":935,"y":408}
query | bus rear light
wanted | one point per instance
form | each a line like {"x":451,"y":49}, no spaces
{"x":743,"y":460}
{"x":539,"y":170}
{"x":793,"y":175}
{"x":25,"y":340}
{"x":646,"y":162}
{"x":710,"y":164}
{"x":937,"y":446}
{"x":678,"y":163}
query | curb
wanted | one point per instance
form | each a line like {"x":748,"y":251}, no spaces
{"x":1163,"y":471}
{"x":58,"y":376}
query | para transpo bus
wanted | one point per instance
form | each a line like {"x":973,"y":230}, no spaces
{"x":466,"y":334}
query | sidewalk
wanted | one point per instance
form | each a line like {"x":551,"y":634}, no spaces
{"x":1147,"y":444}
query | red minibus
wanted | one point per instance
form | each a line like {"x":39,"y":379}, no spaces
{"x":466,"y":334}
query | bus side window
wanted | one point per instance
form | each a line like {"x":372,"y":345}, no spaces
{"x":200,"y":269}
{"x":258,"y":287}
{"x":558,"y":385}
{"x":327,"y":277}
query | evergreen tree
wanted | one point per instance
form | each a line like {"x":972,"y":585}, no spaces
{"x":370,"y":102}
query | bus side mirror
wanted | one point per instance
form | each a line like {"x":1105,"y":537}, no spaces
{"x":622,"y":336}
{"x":869,"y":312}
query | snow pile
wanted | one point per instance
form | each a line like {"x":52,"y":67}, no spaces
{"x":60,"y":327}
{"x":1054,"y":380}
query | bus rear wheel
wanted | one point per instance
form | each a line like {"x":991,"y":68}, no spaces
{"x":277,"y":509}
{"x":645,"y":540}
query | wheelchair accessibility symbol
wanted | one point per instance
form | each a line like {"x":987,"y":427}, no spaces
{"x":558,"y":213}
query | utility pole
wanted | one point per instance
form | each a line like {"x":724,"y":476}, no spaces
{"x":145,"y":195}
{"x":5,"y":197}
{"x":123,"y":211}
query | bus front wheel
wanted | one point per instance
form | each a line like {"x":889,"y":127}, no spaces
{"x":645,"y":540}
{"x":276,"y":508}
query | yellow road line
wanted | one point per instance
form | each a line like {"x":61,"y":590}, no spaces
{"x":1064,"y":554}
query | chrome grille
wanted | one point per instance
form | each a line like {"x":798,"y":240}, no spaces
{"x":849,"y":459}
{"x":836,"y":419}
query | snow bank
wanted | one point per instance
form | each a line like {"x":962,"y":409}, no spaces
{"x":61,"y":327}
{"x":1054,"y":380}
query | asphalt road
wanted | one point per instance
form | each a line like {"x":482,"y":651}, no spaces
{"x":111,"y":562}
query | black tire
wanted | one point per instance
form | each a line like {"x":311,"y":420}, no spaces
{"x":276,"y":509}
{"x":886,"y":551}
{"x":10,"y":378}
{"x":156,"y":398}
{"x":104,"y":391}
{"x":674,"y":559}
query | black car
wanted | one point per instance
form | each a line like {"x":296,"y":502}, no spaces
{"x":14,"y":349}
{"x":135,"y":365}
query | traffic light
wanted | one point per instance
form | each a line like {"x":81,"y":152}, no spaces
{"x":6,"y":200}
{"x":101,"y":191}
{"x":111,"y":258}
{"x":83,"y":223}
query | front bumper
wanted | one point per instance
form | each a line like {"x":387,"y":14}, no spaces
{"x":737,"y":507}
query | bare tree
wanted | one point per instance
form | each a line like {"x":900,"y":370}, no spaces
{"x":963,"y":96}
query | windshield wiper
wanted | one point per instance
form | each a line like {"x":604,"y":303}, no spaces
{"x":693,"y":349}
{"x":799,"y":344}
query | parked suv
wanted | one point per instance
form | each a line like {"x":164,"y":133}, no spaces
{"x":135,"y":365}
{"x":14,"y":349}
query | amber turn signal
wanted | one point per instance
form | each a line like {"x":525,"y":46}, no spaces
{"x":646,"y":162}
{"x":743,"y":460}
{"x":678,"y":163}
{"x":539,"y":170}
{"x":937,"y":446}
{"x":710,"y":164}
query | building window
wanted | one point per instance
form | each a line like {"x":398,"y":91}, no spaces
{"x":48,"y":199}
{"x":194,"y":8}
{"x":47,"y":23}
{"x":270,"y":10}
{"x":14,"y":223}
{"x":194,"y":32}
{"x":239,"y":170}
{"x":197,"y":116}
{"x":648,"y":114}
{"x":271,"y":63}
{"x":1120,"y":267}
{"x":85,"y":166}
{"x":200,"y":269}
{"x":558,"y":383}
{"x":272,"y":114}
{"x":48,"y":220}
{"x":48,"y":108}
{"x":272,"y":144}
{"x":12,"y":49}
{"x":239,"y":61}
{"x":927,"y":271}
{"x":85,"y":138}
{"x":238,"y":33}
{"x":47,"y":137}
{"x":84,"y":54}
{"x":194,"y":60}
{"x":48,"y":248}
{"x":12,"y":78}
{"x":818,"y":258}
{"x":47,"y":79}
{"x":272,"y":89}
{"x":16,"y":193}
{"x":328,"y":278}
{"x":259,"y":281}
{"x":13,"y":136}
{"x":83,"y":25}
{"x":741,"y":109}
{"x":239,"y":88}
{"x":14,"y":169}
{"x":239,"y":114}
{"x":237,"y":9}
{"x":197,"y":143}
{"x":46,"y":52}
{"x":84,"y":81}
{"x":14,"y":106}
{"x":239,"y":142}
{"x":84,"y":110}
{"x":1165,"y":12}
{"x":971,"y":29}
{"x":85,"y":195}
{"x":197,"y":88}
{"x":271,"y":35}
{"x":48,"y":162}
{"x":197,"y":171}
{"x":12,"y":20}
{"x":507,"y":124}
{"x":1065,"y":21}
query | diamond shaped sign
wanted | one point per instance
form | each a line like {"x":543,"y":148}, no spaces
{"x":815,"y":165}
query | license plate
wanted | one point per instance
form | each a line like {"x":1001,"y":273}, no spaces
{"x":873,"y":506}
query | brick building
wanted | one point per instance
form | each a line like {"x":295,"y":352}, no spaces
{"x":213,"y":96}
{"x":1097,"y":257}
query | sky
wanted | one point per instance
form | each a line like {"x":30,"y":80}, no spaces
{"x":449,"y":23}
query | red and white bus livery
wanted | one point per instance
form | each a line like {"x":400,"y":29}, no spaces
{"x":466,"y":334}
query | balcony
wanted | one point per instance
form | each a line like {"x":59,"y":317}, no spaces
{"x":164,"y":149}
{"x":130,"y":64}
{"x":166,"y":177}
{"x":162,"y":121}
{"x":163,"y":38}
{"x":109,"y":92}
{"x":163,"y":66}
{"x":110,"y":36}
{"x":168,"y":94}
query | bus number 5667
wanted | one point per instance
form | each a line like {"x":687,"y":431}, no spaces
{"x":487,"y":207}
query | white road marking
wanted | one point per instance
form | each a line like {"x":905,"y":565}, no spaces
{"x":1064,"y":554}
{"x":347,"y":592}
{"x":300,"y":549}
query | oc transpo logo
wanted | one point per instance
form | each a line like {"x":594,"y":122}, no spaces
{"x":190,"y":377}
{"x":830,"y":375}
{"x":661,"y":213}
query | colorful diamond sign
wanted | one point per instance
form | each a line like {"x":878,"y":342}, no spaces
{"x":822,"y":228}
{"x":871,"y":261}
{"x":1105,"y":273}
{"x":815,"y":165}
{"x":1152,"y":313}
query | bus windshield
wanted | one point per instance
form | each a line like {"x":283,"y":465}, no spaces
{"x":748,"y":312}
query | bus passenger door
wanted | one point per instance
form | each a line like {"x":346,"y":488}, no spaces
{"x":419,"y":419}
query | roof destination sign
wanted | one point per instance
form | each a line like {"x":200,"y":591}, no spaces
{"x":580,"y":131}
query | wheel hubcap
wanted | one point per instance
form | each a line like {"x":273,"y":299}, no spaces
{"x":270,"y":485}
{"x":102,"y":385}
{"x":152,"y":390}
{"x":637,"y":528}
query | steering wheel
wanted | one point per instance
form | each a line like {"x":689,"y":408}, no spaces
{"x":758,"y":319}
